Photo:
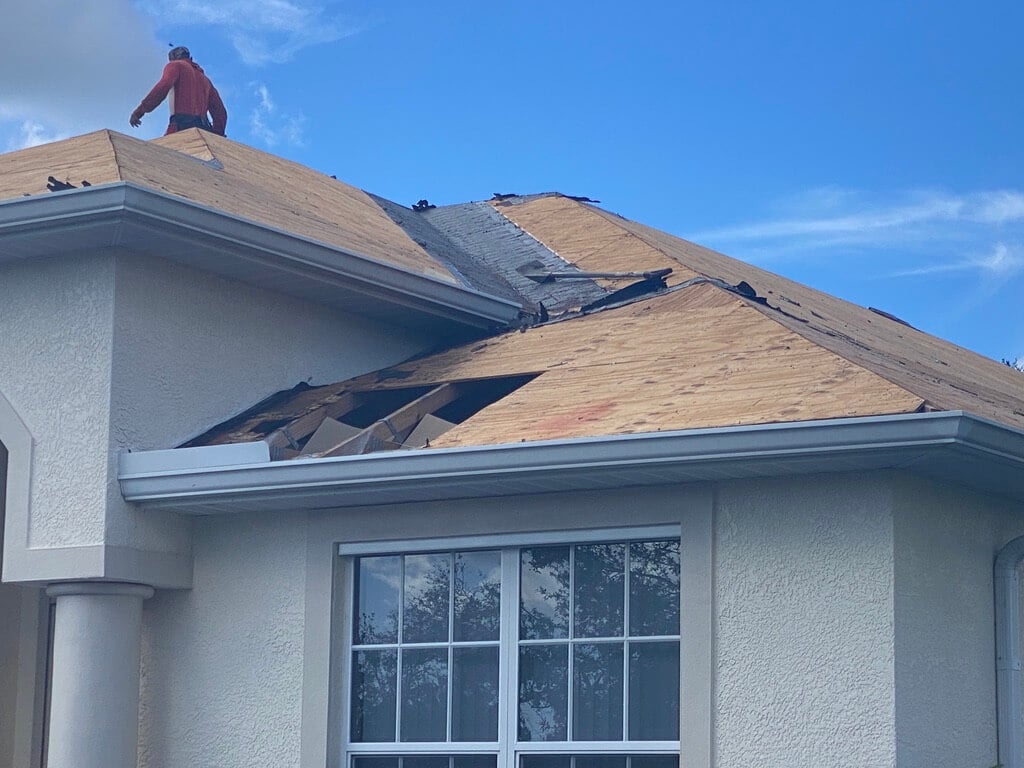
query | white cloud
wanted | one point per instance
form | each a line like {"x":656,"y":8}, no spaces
{"x":74,"y":67}
{"x":262,"y":31}
{"x":32,"y":134}
{"x":272,"y":127}
{"x":1002,"y":262}
{"x":917,"y":233}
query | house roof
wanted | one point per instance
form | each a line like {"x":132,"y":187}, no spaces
{"x":722,"y":344}
{"x":707,"y":342}
{"x":207,"y":202}
{"x":229,"y":177}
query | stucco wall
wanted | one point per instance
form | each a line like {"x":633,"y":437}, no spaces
{"x":55,"y":353}
{"x":222,"y":662}
{"x":121,"y":351}
{"x":851,"y":617}
{"x":192,"y":349}
{"x":946,"y":541}
{"x":803,"y":623}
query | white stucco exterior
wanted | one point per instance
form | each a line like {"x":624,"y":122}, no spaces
{"x":816,"y":623}
{"x":121,"y":351}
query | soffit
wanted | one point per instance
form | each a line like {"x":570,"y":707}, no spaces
{"x":946,"y":376}
{"x":690,"y":358}
{"x":229,"y":177}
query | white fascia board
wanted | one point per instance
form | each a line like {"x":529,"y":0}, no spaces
{"x":952,"y":445}
{"x":124,"y":215}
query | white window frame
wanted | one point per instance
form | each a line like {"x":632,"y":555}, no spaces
{"x":507,"y":746}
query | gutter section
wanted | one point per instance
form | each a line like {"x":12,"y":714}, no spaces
{"x":950,"y":445}
{"x":124,"y":215}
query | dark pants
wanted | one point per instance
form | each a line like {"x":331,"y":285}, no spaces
{"x":181,"y":122}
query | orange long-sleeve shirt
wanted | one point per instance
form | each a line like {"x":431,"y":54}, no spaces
{"x":190,"y":93}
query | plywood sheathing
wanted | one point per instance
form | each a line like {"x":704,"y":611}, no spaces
{"x":591,"y":243}
{"x":946,"y":376}
{"x":89,"y":157}
{"x":230,"y":177}
{"x":697,"y":357}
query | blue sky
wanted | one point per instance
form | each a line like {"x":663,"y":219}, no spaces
{"x":868,"y":149}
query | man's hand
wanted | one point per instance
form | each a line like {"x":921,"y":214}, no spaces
{"x":136,"y":119}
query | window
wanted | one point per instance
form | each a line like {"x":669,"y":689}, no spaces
{"x":545,"y":656}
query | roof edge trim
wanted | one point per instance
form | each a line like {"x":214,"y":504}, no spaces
{"x":897,"y":441}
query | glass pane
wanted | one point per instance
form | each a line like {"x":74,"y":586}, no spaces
{"x":425,"y":694}
{"x":475,"y":694}
{"x":477,"y":595}
{"x":600,"y":761}
{"x":654,"y":761}
{"x":544,"y":593}
{"x":425,"y":618}
{"x":476,"y":761}
{"x":654,"y":588}
{"x":598,"y":590}
{"x":544,"y":761}
{"x":373,"y":695}
{"x":597,"y":692}
{"x":375,"y":761}
{"x":425,"y":761}
{"x":543,"y":692}
{"x":376,"y":619}
{"x":654,"y":691}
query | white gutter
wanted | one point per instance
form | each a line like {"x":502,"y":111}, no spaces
{"x":124,"y":215}
{"x":1008,"y":654}
{"x":952,"y":445}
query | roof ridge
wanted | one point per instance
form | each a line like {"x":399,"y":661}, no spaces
{"x":114,"y":152}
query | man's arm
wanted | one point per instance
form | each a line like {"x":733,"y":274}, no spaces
{"x":218,"y":113}
{"x":156,"y":95}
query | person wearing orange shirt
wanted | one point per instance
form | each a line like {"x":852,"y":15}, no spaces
{"x":190,"y":94}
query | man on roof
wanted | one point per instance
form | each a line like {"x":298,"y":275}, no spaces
{"x":192,"y":96}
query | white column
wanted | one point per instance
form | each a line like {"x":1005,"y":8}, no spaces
{"x":94,"y":704}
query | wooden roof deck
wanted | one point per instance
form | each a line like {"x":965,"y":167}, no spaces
{"x":696,"y":356}
{"x":232,"y":178}
{"x":944,"y":375}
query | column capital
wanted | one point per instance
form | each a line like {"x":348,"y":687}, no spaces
{"x":115,"y":588}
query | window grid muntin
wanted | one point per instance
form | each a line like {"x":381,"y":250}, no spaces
{"x":508,"y":747}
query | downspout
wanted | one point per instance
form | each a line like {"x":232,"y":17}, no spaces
{"x":1008,"y":652}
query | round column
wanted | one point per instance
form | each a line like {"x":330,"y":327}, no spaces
{"x":94,"y":699}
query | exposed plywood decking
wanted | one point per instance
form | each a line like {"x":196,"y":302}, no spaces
{"x":90,"y":158}
{"x":946,"y":376}
{"x":586,"y":240}
{"x":230,"y":177}
{"x":691,"y":358}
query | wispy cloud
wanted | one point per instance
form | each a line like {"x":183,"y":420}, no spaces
{"x":271,"y":126}
{"x":32,"y":134}
{"x":880,"y":221}
{"x":262,"y":31}
{"x":1002,"y":261}
{"x":910,"y":234}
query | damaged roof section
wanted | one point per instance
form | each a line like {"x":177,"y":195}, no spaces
{"x":708,"y":342}
{"x":695,"y":356}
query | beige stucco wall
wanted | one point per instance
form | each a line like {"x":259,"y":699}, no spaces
{"x":192,"y":349}
{"x":823,"y":591}
{"x":120,"y":351}
{"x":55,"y":358}
{"x":804,"y":623}
{"x":242,"y":642}
{"x":946,"y":540}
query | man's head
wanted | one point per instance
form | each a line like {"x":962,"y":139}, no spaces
{"x":181,"y":52}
